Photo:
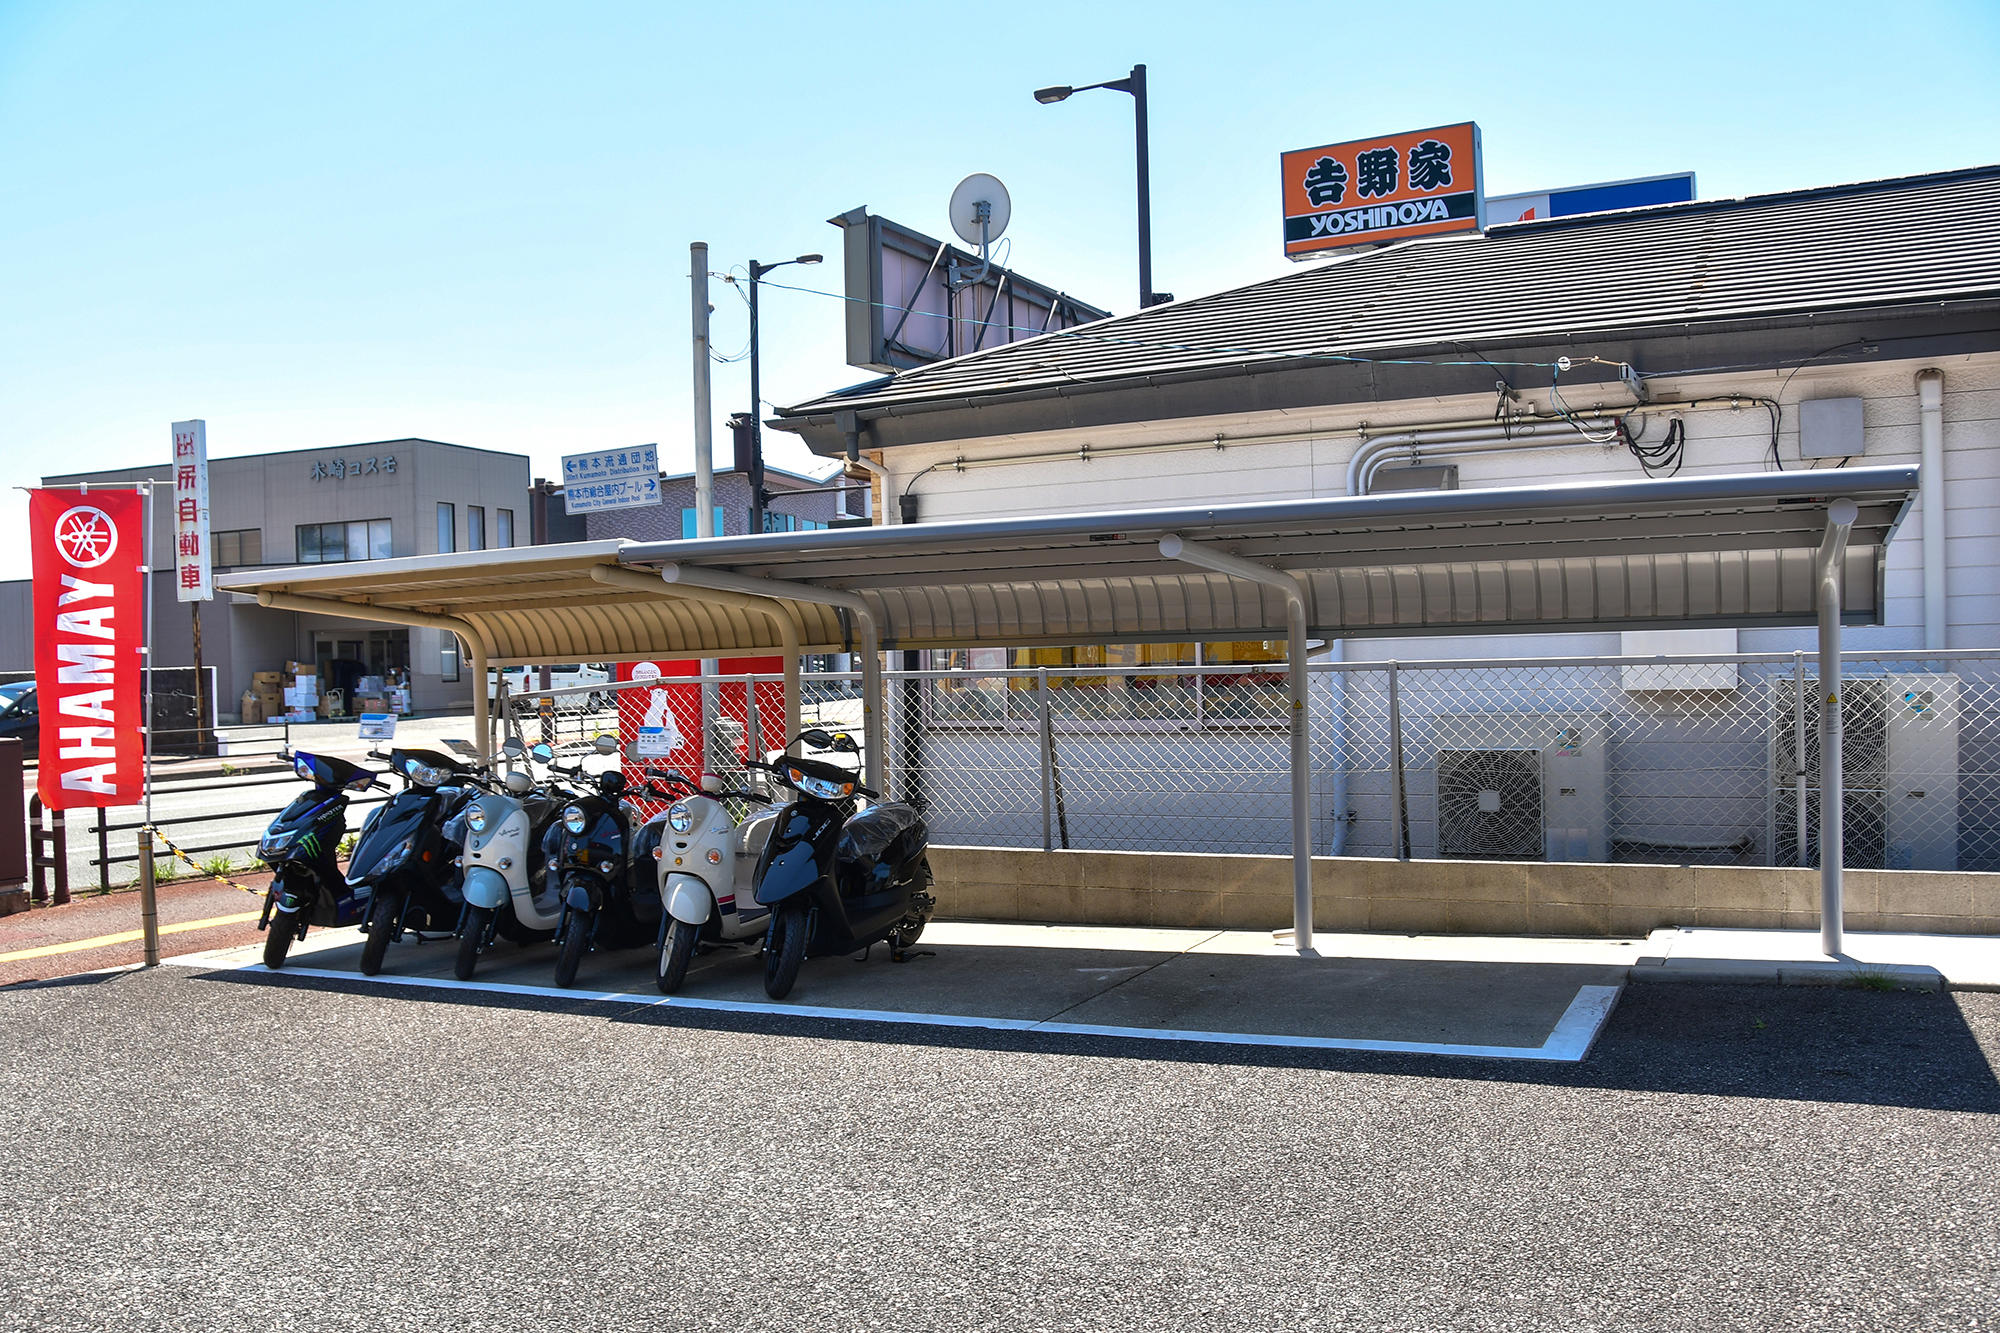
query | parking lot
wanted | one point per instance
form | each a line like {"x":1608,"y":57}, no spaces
{"x":226,"y":1149}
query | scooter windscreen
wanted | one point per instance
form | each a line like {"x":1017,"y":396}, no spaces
{"x":327,"y":771}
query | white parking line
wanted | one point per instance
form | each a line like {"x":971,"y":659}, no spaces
{"x":1568,"y":1042}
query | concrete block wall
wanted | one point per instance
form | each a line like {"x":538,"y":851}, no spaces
{"x":1206,"y":891}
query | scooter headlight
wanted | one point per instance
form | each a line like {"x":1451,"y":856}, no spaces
{"x":423,"y":774}
{"x":679,"y":818}
{"x":820,"y":787}
{"x":274,"y":843}
{"x":475,"y":819}
{"x":573,"y":819}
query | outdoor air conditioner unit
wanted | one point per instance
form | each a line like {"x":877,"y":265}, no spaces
{"x":1900,"y":767}
{"x":1520,"y":786}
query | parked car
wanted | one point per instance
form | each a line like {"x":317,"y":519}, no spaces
{"x":560,"y":677}
{"x":20,"y":719}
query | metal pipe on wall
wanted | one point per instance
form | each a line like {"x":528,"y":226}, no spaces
{"x":1931,"y":484}
{"x":1173,"y":547}
{"x":1840,"y":516}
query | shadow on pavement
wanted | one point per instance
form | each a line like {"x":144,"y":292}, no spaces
{"x":1818,"y":1044}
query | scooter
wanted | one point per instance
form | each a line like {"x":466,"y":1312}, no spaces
{"x":706,"y":863}
{"x":403,"y":860}
{"x":837,"y":881}
{"x":300,"y":846}
{"x":610,"y":885}
{"x":506,"y":886}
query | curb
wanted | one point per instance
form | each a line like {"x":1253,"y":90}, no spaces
{"x":1704,"y":971}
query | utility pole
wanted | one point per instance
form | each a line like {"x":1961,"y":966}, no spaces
{"x":704,"y":456}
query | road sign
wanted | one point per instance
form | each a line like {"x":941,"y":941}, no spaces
{"x":612,"y":479}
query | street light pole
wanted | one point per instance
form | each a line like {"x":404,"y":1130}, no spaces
{"x":757,"y":497}
{"x":1135,"y":84}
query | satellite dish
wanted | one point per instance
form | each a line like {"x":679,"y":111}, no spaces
{"x":975,"y":190}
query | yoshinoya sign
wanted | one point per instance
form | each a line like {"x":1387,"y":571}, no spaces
{"x":89,"y":597}
{"x":1391,"y":188}
{"x":613,"y":479}
{"x":193,"y":570}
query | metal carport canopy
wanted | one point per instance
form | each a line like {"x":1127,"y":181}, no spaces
{"x":1764,"y":549}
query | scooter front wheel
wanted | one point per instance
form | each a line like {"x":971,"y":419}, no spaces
{"x":576,"y":942}
{"x":785,"y":950}
{"x":383,"y":914}
{"x":279,"y":934}
{"x":675,"y":956}
{"x":477,"y":920}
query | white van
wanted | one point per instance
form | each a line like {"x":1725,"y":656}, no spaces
{"x":561,"y":677}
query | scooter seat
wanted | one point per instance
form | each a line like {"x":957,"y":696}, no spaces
{"x":881,"y":842}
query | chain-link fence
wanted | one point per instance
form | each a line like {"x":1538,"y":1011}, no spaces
{"x":1578,"y":759}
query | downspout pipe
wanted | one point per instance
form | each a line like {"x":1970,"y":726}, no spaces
{"x":1931,"y":484}
{"x":474,"y":641}
{"x":684,"y":575}
{"x":1174,"y":547}
{"x":850,"y":427}
{"x":633,"y":580}
{"x":1840,"y":516}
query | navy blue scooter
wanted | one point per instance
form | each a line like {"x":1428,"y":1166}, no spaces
{"x":404,"y":863}
{"x":300,"y":846}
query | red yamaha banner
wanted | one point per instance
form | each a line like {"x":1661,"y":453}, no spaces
{"x":89,"y":626}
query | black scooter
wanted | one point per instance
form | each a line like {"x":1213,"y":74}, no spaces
{"x":610,"y":879}
{"x":300,"y":846}
{"x":403,"y":860}
{"x":837,"y":881}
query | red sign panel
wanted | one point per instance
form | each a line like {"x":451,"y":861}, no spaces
{"x":674,"y":706}
{"x":89,"y":626}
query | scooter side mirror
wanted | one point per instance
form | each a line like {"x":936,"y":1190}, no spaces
{"x":512,"y":747}
{"x":711,"y":785}
{"x":541,"y":753}
{"x":819,"y":740}
{"x":605,"y":745}
{"x":844,"y":744}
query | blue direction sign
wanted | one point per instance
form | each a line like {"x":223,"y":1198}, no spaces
{"x":611,"y":479}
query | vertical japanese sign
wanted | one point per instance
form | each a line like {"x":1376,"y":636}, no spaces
{"x":89,"y":598}
{"x":193,"y":572}
{"x":1423,"y":183}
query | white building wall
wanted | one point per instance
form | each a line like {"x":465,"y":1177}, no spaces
{"x":1719,"y":440}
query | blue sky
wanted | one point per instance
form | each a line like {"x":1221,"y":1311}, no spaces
{"x":324,"y":225}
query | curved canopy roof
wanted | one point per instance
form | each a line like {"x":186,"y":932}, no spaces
{"x":1689,"y":553}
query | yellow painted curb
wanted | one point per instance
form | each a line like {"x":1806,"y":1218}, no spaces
{"x":124,"y":937}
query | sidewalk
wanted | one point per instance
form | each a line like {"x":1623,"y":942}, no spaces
{"x":1793,"y":958}
{"x":102,"y":930}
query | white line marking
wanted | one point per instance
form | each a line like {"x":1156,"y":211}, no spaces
{"x":1568,"y":1042}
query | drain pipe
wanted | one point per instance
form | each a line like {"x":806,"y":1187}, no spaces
{"x":330,"y":606}
{"x":1174,"y":547}
{"x":1930,"y":495}
{"x":849,"y":424}
{"x":1832,"y":554}
{"x":681,"y":574}
{"x":632,"y":580}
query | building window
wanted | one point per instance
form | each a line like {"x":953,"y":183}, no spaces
{"x":327,"y":543}
{"x":448,"y":660}
{"x":447,"y":527}
{"x":503,"y":528}
{"x":237,"y":547}
{"x":687,"y":523}
{"x":475,"y":527}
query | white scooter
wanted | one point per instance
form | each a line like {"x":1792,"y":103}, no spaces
{"x":505,"y":891}
{"x":707,"y":861}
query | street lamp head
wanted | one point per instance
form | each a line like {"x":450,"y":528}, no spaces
{"x":808,"y":259}
{"x":1050,"y":96}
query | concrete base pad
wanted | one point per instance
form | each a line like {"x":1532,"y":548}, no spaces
{"x":1793,"y":957}
{"x":1229,"y":987}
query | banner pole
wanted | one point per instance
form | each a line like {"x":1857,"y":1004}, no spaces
{"x":149,"y":904}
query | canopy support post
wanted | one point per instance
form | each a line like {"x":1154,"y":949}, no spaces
{"x":381,"y":615}
{"x":1840,"y":516}
{"x":632,"y":580}
{"x":1174,"y":548}
{"x":872,"y":730}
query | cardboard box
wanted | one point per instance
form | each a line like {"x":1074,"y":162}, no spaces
{"x":306,"y":681}
{"x":300,"y":669}
{"x":399,"y":701}
{"x":260,"y":680}
{"x":298,"y":696}
{"x":370,"y":703}
{"x":301,"y":715}
{"x":252,"y":708}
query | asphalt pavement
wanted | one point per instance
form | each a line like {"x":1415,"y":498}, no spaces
{"x":230,"y":1150}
